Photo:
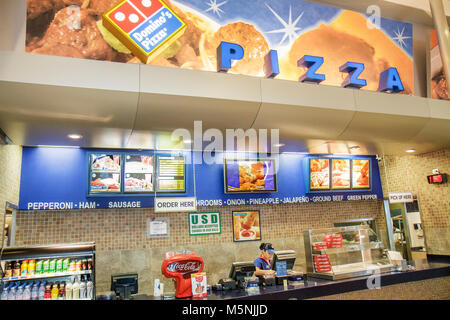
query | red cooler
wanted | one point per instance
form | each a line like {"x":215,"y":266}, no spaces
{"x":180,"y":267}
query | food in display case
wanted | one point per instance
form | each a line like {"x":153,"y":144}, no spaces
{"x":138,"y":173}
{"x":319,"y":170}
{"x":340,"y":173}
{"x":250,"y":176}
{"x":345,"y":252}
{"x":361,"y":174}
{"x":105,"y":173}
{"x":171,"y":174}
{"x":246,"y":226}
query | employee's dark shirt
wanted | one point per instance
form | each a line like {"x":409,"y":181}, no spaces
{"x":262,"y":263}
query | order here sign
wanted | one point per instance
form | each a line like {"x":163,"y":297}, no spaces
{"x":181,"y":204}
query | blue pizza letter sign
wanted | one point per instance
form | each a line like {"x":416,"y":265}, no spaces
{"x":226,"y":52}
{"x":354,"y":70}
{"x":390,"y":81}
{"x":313,"y":63}
{"x":271,"y":67}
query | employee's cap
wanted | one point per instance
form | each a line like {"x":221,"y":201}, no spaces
{"x":269,"y":248}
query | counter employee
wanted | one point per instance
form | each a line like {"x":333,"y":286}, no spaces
{"x":262,"y":263}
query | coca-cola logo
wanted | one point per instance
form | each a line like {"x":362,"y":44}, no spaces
{"x":184,"y":267}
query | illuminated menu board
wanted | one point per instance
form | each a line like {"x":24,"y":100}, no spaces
{"x":361,"y":174}
{"x":104,"y":173}
{"x":319,"y":174}
{"x":171,"y":174}
{"x":340,"y":173}
{"x":138,"y":173}
{"x":256,"y":175}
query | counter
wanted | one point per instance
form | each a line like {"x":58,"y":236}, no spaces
{"x":314,"y":288}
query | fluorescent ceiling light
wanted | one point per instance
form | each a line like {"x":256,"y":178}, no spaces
{"x":75,"y":136}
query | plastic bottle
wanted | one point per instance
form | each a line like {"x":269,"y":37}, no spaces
{"x":19,"y":293}
{"x":41,"y":295}
{"x":66,"y":263}
{"x":27,"y":292}
{"x":55,"y":291}
{"x":52,"y":266}
{"x":16,"y":269}
{"x":59,"y":265}
{"x":12,"y":292}
{"x":76,"y":290}
{"x":48,"y":291}
{"x":90,"y":289}
{"x":69,"y":290}
{"x":31,"y":267}
{"x":82,"y":289}
{"x":62,"y":291}
{"x":5,"y":292}
{"x":45,"y":266}
{"x":24,"y":268}
{"x":35,"y":291}
{"x":8,"y":269}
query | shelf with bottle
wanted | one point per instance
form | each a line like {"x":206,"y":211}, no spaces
{"x":30,"y":269}
{"x":47,"y":275}
{"x":75,"y":288}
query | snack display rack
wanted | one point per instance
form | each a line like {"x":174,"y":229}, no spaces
{"x":74,"y":251}
{"x":345,"y":252}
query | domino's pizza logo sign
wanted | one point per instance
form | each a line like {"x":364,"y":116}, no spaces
{"x":144,"y":26}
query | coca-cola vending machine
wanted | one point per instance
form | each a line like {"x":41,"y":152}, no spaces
{"x":180,"y":266}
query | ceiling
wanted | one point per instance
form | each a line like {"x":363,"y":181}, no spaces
{"x":115,"y":105}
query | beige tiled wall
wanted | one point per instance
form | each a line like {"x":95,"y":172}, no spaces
{"x":10,"y":164}
{"x":409,"y":174}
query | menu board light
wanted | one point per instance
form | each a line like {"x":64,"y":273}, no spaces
{"x":319,"y":174}
{"x":171,"y":174}
{"x":254,"y":175}
{"x":105,"y":173}
{"x":360,"y":174}
{"x":138,"y":173}
{"x":339,"y":174}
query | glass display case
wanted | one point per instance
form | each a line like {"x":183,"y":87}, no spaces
{"x":48,"y":272}
{"x":345,"y":252}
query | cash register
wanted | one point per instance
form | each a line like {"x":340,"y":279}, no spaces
{"x":239,"y":271}
{"x":283,"y":262}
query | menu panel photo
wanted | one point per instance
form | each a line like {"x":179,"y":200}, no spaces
{"x":319,"y":174}
{"x":361,"y":174}
{"x":250,"y":176}
{"x":105,"y":173}
{"x":138,"y":173}
{"x":171,"y":174}
{"x":340,"y":173}
{"x":246,"y":226}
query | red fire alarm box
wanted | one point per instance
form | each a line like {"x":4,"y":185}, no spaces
{"x":437,"y":178}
